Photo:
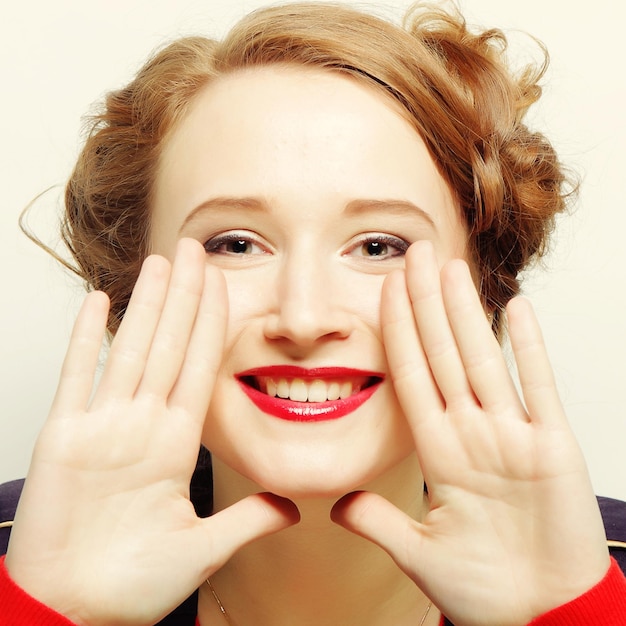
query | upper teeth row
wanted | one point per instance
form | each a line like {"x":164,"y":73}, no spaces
{"x":301,"y":390}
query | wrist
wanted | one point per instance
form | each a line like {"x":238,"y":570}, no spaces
{"x":19,"y":608}
{"x":604,"y":603}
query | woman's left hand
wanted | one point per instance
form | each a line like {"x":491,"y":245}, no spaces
{"x":513,"y":529}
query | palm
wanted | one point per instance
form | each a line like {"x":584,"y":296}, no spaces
{"x":105,"y":532}
{"x":496,"y":519}
{"x":513,"y":528}
{"x":126,"y":502}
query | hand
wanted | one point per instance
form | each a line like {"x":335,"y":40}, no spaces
{"x":105,"y":532}
{"x":513,"y":527}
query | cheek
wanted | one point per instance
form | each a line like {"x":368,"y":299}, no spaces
{"x":249,"y":297}
{"x":362,"y":295}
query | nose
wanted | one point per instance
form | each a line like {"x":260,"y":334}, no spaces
{"x":310,"y":305}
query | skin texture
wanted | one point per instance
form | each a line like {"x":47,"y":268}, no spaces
{"x":508,"y":488}
{"x":304,"y":293}
{"x":508,"y":491}
{"x":109,"y":472}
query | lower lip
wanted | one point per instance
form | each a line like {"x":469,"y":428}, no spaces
{"x":308,"y":411}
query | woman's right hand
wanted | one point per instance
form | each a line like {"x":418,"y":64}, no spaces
{"x":105,"y":531}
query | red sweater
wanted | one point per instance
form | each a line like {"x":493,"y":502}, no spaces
{"x":603,"y":605}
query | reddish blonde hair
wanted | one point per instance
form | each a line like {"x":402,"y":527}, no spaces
{"x":453,"y":83}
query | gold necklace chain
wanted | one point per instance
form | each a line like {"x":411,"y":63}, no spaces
{"x":230,"y":622}
{"x":219,"y":603}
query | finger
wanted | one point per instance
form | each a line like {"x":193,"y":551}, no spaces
{"x":424,"y":284}
{"x":241,"y":523}
{"x":535,"y":372}
{"x":371,"y":516}
{"x":409,"y":368}
{"x":129,"y":351}
{"x":202,"y":360}
{"x":171,"y":338}
{"x":81,"y":360}
{"x":480,"y":352}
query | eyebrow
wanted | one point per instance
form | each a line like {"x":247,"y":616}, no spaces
{"x":399,"y":207}
{"x":354,"y":207}
{"x":226,"y":202}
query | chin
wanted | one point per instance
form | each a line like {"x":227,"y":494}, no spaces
{"x":365,"y":449}
{"x":316,"y":477}
{"x":313,"y":490}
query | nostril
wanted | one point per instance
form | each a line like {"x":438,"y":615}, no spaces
{"x":306,"y":321}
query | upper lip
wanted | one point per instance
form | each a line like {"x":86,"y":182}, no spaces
{"x":294,"y":371}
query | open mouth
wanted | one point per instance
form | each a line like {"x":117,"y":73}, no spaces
{"x":307,"y":390}
{"x":299,"y":394}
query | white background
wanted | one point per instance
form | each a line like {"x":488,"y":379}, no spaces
{"x":56,"y":58}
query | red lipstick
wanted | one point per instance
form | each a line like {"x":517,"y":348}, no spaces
{"x":285,"y":391}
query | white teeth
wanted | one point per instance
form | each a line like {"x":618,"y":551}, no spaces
{"x":318,"y":392}
{"x":282,"y":388}
{"x":334,"y":391}
{"x":346,"y":390}
{"x":300,"y":390}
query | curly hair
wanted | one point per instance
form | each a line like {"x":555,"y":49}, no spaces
{"x":454,"y":84}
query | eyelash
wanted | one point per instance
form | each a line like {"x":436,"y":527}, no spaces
{"x":400,"y":245}
{"x":213,"y":245}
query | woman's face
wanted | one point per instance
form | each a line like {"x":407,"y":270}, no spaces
{"x":306,"y":187}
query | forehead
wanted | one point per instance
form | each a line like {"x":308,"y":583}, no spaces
{"x":272,"y":116}
{"x":306,"y":142}
{"x":279,"y":86}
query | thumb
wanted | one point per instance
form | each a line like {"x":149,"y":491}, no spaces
{"x":373,"y":517}
{"x":249,"y":519}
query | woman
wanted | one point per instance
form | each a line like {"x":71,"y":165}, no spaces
{"x":323,"y":217}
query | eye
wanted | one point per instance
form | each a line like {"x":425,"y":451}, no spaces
{"x":378,"y":247}
{"x":234,"y":244}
